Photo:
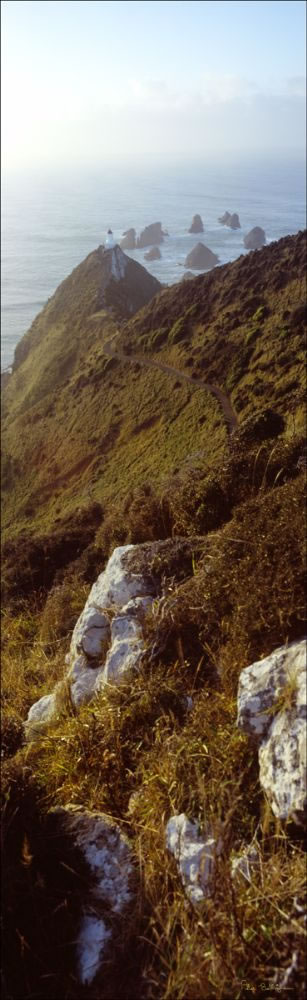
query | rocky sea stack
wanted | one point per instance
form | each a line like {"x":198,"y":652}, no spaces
{"x":151,"y":235}
{"x":128,"y":241}
{"x":197,"y":225}
{"x":231,"y":220}
{"x":255,"y":238}
{"x":201,"y":258}
{"x":153,"y":254}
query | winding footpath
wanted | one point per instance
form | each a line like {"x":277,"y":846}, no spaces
{"x":229,"y":414}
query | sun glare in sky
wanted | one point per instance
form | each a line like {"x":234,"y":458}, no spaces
{"x":85,"y":81}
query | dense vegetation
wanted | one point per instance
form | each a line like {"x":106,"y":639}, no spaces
{"x":99,"y":453}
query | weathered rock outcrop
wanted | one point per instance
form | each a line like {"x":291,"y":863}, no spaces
{"x":151,"y":235}
{"x":255,"y":238}
{"x":111,"y":887}
{"x":197,"y":225}
{"x":201,"y":258}
{"x":153,"y":254}
{"x":272,"y":708}
{"x":195,"y":854}
{"x":107,"y":642}
{"x":231,"y":220}
{"x":107,"y":638}
{"x":128,"y":242}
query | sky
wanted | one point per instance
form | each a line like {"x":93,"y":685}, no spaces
{"x":88,"y":81}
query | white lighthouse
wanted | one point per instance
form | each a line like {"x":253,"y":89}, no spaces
{"x":110,"y":241}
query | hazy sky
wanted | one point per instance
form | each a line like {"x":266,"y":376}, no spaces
{"x":92,"y":82}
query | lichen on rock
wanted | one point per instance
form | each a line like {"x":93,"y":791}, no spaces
{"x":272,"y":708}
{"x":195,"y":854}
{"x":111,"y":886}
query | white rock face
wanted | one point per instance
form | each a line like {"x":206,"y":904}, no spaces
{"x":112,"y":884}
{"x":107,"y":640}
{"x":92,"y":941}
{"x":119,"y":263}
{"x":116,"y":588}
{"x":127,"y":645}
{"x":82,"y":680}
{"x":91,"y":633}
{"x":261,"y":684}
{"x":116,"y":585}
{"x":282,"y":736}
{"x":194,"y":854}
{"x":42,"y":711}
{"x":282,"y":760}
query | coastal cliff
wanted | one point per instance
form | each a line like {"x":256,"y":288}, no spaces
{"x":153,"y":657}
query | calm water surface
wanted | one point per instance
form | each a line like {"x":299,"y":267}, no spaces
{"x":50,"y":222}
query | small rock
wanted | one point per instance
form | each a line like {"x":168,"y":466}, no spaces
{"x":154,"y":254}
{"x":255,"y":238}
{"x":196,"y":225}
{"x":195,"y":855}
{"x":201,"y":258}
{"x":231,"y":220}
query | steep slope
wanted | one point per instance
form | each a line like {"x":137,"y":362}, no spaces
{"x":81,"y":427}
{"x":180,"y":428}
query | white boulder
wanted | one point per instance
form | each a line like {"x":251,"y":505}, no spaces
{"x":41,"y":712}
{"x":261,"y":684}
{"x":195,"y":855}
{"x":111,"y":887}
{"x":272,"y":707}
{"x":107,"y":640}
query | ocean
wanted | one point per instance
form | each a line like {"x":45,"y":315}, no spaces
{"x":52,"y":220}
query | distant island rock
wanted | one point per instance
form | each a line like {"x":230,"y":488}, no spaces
{"x":255,"y":238}
{"x":187,"y":275}
{"x":201,"y":258}
{"x":128,"y":241}
{"x":196,"y":225}
{"x":151,"y":235}
{"x":231,"y":220}
{"x":153,"y":254}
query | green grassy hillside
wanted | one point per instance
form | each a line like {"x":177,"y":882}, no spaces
{"x":81,"y":428}
{"x":100,"y":450}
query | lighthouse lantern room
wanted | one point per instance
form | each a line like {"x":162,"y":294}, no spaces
{"x":110,"y":241}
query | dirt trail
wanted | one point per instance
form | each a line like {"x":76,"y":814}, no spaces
{"x":198,"y":383}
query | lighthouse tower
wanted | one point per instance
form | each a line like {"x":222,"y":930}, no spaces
{"x":110,"y":241}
